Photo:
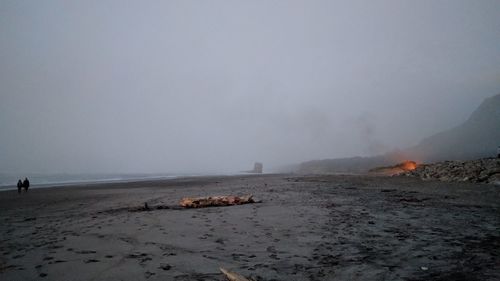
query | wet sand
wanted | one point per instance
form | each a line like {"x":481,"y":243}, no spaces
{"x":305,"y":228}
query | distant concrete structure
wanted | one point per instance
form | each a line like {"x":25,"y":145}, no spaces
{"x":257,"y":168}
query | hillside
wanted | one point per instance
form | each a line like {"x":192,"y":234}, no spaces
{"x":478,"y":137}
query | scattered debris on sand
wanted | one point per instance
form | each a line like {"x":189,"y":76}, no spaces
{"x":203,"y":202}
{"x":486,"y":170}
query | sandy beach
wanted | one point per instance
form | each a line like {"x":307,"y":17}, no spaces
{"x":304,"y":228}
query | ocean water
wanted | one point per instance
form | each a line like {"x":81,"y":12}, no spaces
{"x":9,"y":180}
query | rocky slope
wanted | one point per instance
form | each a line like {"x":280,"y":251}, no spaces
{"x":486,"y":170}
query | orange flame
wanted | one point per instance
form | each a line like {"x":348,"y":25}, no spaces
{"x":408,"y":165}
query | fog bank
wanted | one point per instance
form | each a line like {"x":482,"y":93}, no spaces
{"x":191,"y":86}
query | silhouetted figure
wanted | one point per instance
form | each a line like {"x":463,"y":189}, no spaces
{"x":26,"y":184}
{"x":19,"y":186}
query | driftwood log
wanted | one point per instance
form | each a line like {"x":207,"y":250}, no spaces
{"x":233,"y":276}
{"x":203,"y":202}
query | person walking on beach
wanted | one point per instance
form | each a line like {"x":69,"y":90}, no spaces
{"x":19,"y":186}
{"x":26,"y":184}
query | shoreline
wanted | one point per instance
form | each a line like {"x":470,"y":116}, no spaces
{"x":87,"y":182}
{"x":84,"y":183}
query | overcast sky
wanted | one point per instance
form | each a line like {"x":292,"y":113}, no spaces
{"x":213,"y":86}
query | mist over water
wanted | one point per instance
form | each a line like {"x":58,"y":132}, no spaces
{"x":212,"y":87}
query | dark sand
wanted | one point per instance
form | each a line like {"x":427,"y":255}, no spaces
{"x":306,"y":228}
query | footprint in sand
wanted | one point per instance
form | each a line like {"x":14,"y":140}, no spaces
{"x":274,"y":256}
{"x":165,"y":266}
{"x":85,"y":252}
{"x":142,"y":257}
{"x":236,"y":257}
{"x":271,"y":249}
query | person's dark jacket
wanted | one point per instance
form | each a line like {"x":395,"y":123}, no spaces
{"x":26,"y":183}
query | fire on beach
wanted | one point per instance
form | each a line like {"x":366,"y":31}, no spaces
{"x":399,"y":168}
{"x":408,"y":165}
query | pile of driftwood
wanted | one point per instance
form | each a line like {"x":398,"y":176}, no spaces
{"x":203,"y":202}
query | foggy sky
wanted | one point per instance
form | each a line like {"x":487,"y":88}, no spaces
{"x":213,"y":86}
